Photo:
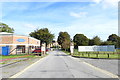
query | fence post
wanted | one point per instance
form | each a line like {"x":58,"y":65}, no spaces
{"x":97,"y":54}
{"x":79,"y":53}
{"x":113,"y":53}
{"x":88,"y":54}
{"x":108,"y":55}
{"x":82,"y":54}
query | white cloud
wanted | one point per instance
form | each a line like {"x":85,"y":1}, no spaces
{"x":30,"y":26}
{"x":78,"y":15}
{"x":97,"y":1}
{"x":107,"y":3}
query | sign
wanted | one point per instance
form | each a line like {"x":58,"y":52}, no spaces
{"x":71,"y":49}
{"x":21,"y":40}
{"x":42,"y":48}
{"x":96,"y":48}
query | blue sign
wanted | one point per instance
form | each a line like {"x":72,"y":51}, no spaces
{"x":21,"y":40}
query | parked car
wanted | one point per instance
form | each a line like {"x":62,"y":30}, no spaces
{"x":38,"y":50}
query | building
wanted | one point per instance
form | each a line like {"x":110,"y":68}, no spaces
{"x":18,"y":43}
{"x":54,"y":44}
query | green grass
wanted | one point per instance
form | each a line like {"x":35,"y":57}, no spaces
{"x":17,"y":55}
{"x":112,"y":55}
{"x":118,"y":50}
{"x":93,"y":55}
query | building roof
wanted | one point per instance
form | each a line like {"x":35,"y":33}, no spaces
{"x":3,"y":33}
{"x":6,"y":33}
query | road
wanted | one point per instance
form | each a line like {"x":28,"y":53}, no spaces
{"x":59,"y":65}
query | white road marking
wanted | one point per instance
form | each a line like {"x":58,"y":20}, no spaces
{"x":19,"y":73}
{"x":96,"y":68}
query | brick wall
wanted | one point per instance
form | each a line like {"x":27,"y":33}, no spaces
{"x":15,"y":39}
{"x":34,"y":41}
{"x":6,"y":40}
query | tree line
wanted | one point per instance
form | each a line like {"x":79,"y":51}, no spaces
{"x":82,"y":40}
{"x":45,"y":36}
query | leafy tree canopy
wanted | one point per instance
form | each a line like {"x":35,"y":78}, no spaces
{"x":5,"y":28}
{"x":43,"y":35}
{"x":80,"y":40}
{"x":64,"y":40}
{"x":95,"y":41}
{"x":113,"y":38}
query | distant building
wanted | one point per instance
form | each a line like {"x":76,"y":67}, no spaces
{"x":53,"y":44}
{"x":18,"y":43}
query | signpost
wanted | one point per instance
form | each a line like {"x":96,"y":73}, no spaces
{"x":43,"y":49}
{"x":72,"y":48}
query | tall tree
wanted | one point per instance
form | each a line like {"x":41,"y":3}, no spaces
{"x":43,"y":35}
{"x":5,"y":28}
{"x":107,"y":43}
{"x":80,"y":40}
{"x":118,"y":42}
{"x":95,"y":41}
{"x":114,"y":39}
{"x":64,"y":40}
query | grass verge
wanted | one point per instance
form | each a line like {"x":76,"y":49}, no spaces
{"x":100,"y":55}
{"x":17,"y":55}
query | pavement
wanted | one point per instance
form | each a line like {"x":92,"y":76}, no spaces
{"x":14,"y":66}
{"x":59,"y":65}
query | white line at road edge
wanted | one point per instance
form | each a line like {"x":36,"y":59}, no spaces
{"x":101,"y":70}
{"x":19,"y":73}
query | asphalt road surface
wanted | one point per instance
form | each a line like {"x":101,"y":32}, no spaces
{"x":59,"y":65}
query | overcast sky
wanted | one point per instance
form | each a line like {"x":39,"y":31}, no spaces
{"x":99,"y":17}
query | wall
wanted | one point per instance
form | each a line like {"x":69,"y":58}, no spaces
{"x":6,"y":39}
{"x":16,"y":40}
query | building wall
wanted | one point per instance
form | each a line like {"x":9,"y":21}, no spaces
{"x":6,"y":39}
{"x":34,"y":41}
{"x":16,"y":40}
{"x":9,"y":39}
{"x":13,"y":41}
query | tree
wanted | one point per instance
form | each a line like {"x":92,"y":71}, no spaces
{"x":107,"y":43}
{"x":43,"y":35}
{"x":6,"y":28}
{"x":114,"y":39}
{"x":64,"y":40}
{"x":95,"y":41}
{"x":118,"y":42}
{"x":80,"y":40}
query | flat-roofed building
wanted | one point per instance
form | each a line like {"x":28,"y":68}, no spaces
{"x":18,"y":43}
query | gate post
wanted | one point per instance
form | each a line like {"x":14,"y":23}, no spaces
{"x":71,"y":48}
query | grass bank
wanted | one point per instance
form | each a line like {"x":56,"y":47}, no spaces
{"x":106,"y":55}
{"x":18,"y":55}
